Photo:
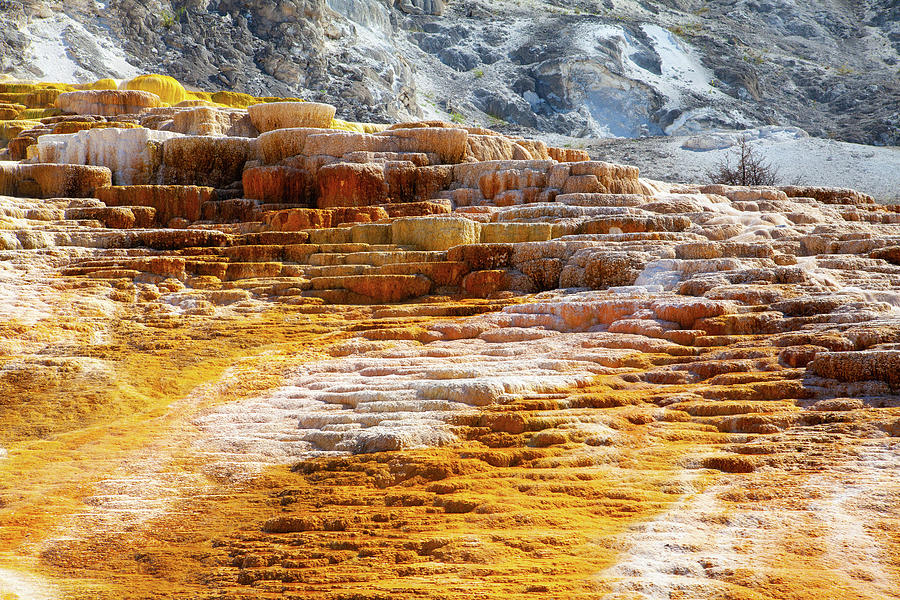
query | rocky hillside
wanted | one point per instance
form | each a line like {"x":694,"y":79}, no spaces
{"x":583,"y":68}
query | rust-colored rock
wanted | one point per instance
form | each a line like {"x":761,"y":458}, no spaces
{"x":213,"y":121}
{"x":567,"y":154}
{"x":169,"y":201}
{"x":828,"y":195}
{"x":613,"y":269}
{"x":178,"y":239}
{"x":283,"y":115}
{"x":629,"y":224}
{"x":407,"y":182}
{"x":75,"y":126}
{"x":483,"y":257}
{"x":277,"y":184}
{"x":448,"y":144}
{"x":114,"y":217}
{"x":351,"y":184}
{"x":416,"y":209}
{"x":534,"y":149}
{"x":388,"y":288}
{"x":441,"y":273}
{"x":544,"y":272}
{"x":493,"y":147}
{"x":494,"y":183}
{"x":18,"y":147}
{"x":889,"y":253}
{"x":233,"y":210}
{"x":279,"y":144}
{"x":297,"y":219}
{"x":9,"y":112}
{"x":482,"y":284}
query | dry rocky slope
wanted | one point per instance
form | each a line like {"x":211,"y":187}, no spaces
{"x":252,"y":351}
{"x":789,"y":153}
{"x":580,"y":68}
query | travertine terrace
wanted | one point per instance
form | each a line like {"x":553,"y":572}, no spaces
{"x":250,"y":350}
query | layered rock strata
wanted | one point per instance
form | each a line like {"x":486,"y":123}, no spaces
{"x":321,"y":363}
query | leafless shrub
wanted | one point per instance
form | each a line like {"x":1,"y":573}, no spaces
{"x":750,"y":169}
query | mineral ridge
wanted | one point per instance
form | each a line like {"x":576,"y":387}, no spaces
{"x":265,"y":353}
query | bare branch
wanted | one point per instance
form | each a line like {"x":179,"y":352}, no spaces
{"x":751,"y":168}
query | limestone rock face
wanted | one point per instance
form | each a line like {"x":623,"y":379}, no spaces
{"x":213,"y":121}
{"x":499,"y":233}
{"x":107,"y":102}
{"x":210,"y":161}
{"x":828,"y":195}
{"x":449,"y":144}
{"x":534,"y":149}
{"x":410,"y":183}
{"x":469,"y":174}
{"x":387,"y":288}
{"x":133,"y":155}
{"x":882,"y":365}
{"x":435,"y":233}
{"x":52,"y":180}
{"x":10,"y":129}
{"x":483,"y":284}
{"x":283,"y":143}
{"x":493,"y":147}
{"x":168,"y":201}
{"x":482,"y":257}
{"x":567,"y":154}
{"x":284,"y":115}
{"x":275,"y":184}
{"x":351,"y":184}
{"x":416,"y":209}
{"x":115,"y":217}
{"x":299,"y":219}
{"x":9,"y":112}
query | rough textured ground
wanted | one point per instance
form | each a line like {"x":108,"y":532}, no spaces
{"x":265,"y":353}
{"x":794,"y":157}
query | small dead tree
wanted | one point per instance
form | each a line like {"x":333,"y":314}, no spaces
{"x":750,"y":169}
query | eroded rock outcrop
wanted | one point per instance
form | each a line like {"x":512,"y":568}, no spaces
{"x":52,"y":180}
{"x":283,"y":115}
{"x":133,"y":155}
{"x":205,"y":120}
{"x":168,"y":201}
{"x":107,"y":102}
{"x":201,"y":160}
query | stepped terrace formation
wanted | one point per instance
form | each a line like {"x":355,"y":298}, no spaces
{"x":250,"y":350}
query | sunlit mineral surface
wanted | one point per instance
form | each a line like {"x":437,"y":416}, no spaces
{"x":248,"y":350}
